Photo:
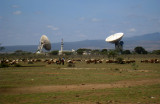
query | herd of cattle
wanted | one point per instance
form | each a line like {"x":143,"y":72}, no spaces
{"x":62,"y":61}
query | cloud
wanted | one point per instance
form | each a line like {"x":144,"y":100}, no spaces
{"x":15,"y":6}
{"x":95,"y":20}
{"x":132,"y":30}
{"x":17,"y":12}
{"x":52,"y":27}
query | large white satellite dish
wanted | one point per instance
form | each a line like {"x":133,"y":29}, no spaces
{"x":115,"y":39}
{"x":44,"y":43}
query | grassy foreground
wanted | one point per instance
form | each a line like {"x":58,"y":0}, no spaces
{"x":40,"y":75}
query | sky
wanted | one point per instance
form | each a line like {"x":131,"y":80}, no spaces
{"x":23,"y":22}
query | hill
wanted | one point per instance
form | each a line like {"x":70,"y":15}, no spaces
{"x":148,"y":41}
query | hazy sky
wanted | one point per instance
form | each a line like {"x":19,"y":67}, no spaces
{"x":22,"y":22}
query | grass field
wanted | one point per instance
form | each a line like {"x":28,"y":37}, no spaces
{"x":40,"y":83}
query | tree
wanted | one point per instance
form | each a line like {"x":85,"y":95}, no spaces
{"x":54,"y":52}
{"x":112,"y":53}
{"x":95,"y":52}
{"x":140,"y":50}
{"x":120,"y":60}
{"x":81,"y":50}
{"x":68,"y":53}
{"x":104,"y":51}
{"x":21,"y":52}
{"x":126,"y":52}
{"x":157,"y":52}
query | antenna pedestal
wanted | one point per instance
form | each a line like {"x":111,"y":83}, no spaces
{"x":119,"y":46}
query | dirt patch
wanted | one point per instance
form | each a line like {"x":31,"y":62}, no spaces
{"x":55,"y":88}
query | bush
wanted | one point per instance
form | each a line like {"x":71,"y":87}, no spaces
{"x":140,"y":50}
{"x":120,"y":60}
{"x":54,"y":52}
{"x":157,"y":52}
{"x":30,"y":62}
{"x":71,"y":65}
{"x":2,"y":65}
{"x":126,"y":52}
{"x":17,"y":65}
{"x":134,"y":66}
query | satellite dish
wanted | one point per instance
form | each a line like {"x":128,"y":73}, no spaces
{"x":44,"y":43}
{"x":115,"y":39}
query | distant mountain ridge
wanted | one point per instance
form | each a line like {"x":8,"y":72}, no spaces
{"x":148,"y":41}
{"x":145,"y":37}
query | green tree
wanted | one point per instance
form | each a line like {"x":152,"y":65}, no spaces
{"x":157,"y":52}
{"x":120,"y":60}
{"x":140,"y":50}
{"x":54,"y":52}
{"x":68,"y":53}
{"x":20,"y":52}
{"x":81,"y":50}
{"x":112,"y":53}
{"x":95,"y":52}
{"x":126,"y":52}
{"x":104,"y":51}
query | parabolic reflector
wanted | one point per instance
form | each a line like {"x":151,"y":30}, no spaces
{"x":114,"y":38}
{"x":45,"y":42}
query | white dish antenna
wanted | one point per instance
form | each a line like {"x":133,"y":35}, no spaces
{"x":115,"y":39}
{"x":44,"y":43}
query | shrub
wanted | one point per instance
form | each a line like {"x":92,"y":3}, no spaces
{"x":2,"y":65}
{"x":17,"y":65}
{"x":120,"y":60}
{"x":30,"y":62}
{"x":71,"y":65}
{"x":134,"y":66}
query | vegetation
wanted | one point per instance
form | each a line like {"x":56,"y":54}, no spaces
{"x":134,"y":66}
{"x":54,"y":52}
{"x":21,"y":52}
{"x":3,"y":65}
{"x":82,"y":50}
{"x":126,"y":52}
{"x":104,"y":51}
{"x":140,"y":50}
{"x":120,"y":60}
{"x":112,"y":53}
{"x":157,"y":52}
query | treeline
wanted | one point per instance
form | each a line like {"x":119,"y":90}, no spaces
{"x":84,"y":51}
{"x":137,"y":50}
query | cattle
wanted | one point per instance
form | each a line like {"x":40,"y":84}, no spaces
{"x":95,"y":61}
{"x":128,"y":61}
{"x":71,"y":61}
{"x":150,"y":61}
{"x":109,"y":61}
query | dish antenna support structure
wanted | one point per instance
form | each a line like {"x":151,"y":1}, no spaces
{"x":115,"y":39}
{"x":44,"y":43}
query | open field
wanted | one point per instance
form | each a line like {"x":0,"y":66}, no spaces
{"x":105,"y":83}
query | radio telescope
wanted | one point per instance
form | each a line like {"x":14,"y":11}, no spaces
{"x":44,"y":43}
{"x":115,"y":39}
